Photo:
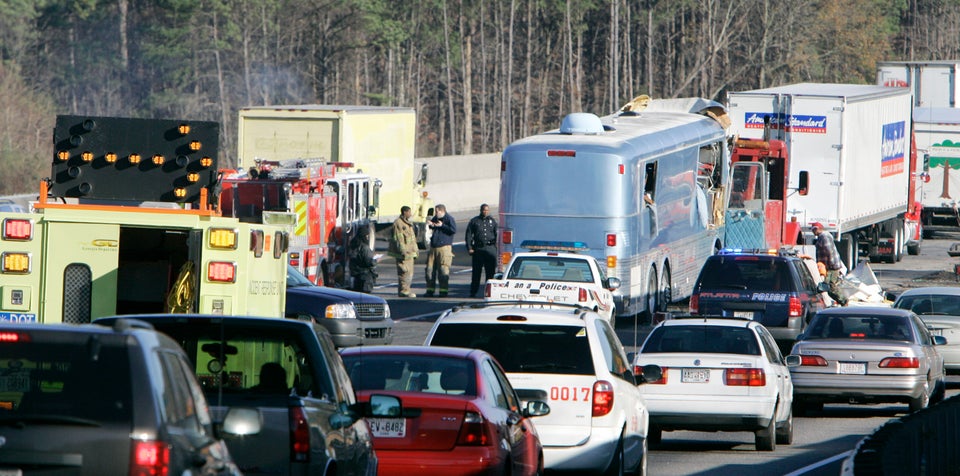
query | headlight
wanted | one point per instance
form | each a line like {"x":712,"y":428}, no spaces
{"x":386,"y":311}
{"x":341,"y":311}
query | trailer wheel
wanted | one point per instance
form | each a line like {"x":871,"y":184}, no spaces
{"x":666,"y":290}
{"x":898,"y":243}
{"x":849,"y":250}
{"x":652,"y":294}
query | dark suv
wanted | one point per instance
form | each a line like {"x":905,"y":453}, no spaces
{"x":776,"y":289}
{"x":95,"y":400}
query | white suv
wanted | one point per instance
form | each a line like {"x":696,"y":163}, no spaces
{"x":718,"y":374}
{"x":571,"y":358}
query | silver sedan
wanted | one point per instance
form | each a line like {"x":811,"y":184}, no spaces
{"x":939,"y":308}
{"x":866,"y":355}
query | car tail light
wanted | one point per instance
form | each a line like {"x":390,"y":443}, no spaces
{"x":150,"y":458}
{"x":487,"y":289}
{"x":299,"y":435}
{"x":637,"y":370}
{"x":602,"y":398}
{"x":795,"y":307}
{"x":694,"y":303}
{"x":900,"y":363}
{"x":744,"y":377}
{"x":813,"y":361}
{"x":583,"y":295}
{"x":472,"y":431}
{"x":17,"y":229}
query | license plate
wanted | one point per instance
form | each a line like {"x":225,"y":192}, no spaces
{"x":743,"y":314}
{"x":11,"y":472}
{"x":387,"y":427}
{"x":858,"y":368}
{"x":695,"y":376}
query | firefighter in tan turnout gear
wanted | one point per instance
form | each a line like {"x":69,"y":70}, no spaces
{"x":403,"y":248}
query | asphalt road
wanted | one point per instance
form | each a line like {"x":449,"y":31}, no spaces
{"x":821,"y":441}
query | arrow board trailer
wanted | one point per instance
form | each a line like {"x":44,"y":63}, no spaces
{"x":937,"y":132}
{"x":640,"y":191}
{"x":125,"y":225}
{"x":850,"y":147}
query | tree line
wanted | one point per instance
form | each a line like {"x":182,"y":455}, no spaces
{"x":480,"y":73}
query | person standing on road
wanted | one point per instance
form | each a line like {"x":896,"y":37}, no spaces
{"x":828,"y":255}
{"x":363,"y":265}
{"x":481,"y":241}
{"x":403,"y":248}
{"x":441,"y":251}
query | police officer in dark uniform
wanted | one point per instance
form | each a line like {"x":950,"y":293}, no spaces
{"x":481,"y":240}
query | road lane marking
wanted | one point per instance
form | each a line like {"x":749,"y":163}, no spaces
{"x":819,"y":464}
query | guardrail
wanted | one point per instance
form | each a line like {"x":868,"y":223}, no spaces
{"x":924,"y":442}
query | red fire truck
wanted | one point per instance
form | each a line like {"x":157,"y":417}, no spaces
{"x":322,"y":206}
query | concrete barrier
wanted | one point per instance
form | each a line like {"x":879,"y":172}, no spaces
{"x":463,"y":182}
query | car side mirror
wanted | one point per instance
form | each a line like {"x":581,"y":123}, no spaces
{"x":497,"y":275}
{"x":535,"y":408}
{"x":939,"y":340}
{"x":383,"y":406}
{"x":803,"y":187}
{"x":792,"y":360}
{"x":242,"y":421}
{"x":651,"y":373}
{"x":612,"y":283}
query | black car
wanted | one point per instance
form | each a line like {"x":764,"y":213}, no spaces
{"x":278,"y":390}
{"x":352,"y":318}
{"x":775,"y":288}
{"x":95,"y":400}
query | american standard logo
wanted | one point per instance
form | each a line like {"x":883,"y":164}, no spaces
{"x":787,"y":122}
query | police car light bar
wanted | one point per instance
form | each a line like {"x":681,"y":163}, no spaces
{"x":537,"y":245}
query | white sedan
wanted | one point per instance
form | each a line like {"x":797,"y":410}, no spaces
{"x":556,"y":277}
{"x":719,"y":374}
{"x":939,"y":309}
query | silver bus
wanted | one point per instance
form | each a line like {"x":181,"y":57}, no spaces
{"x":641,"y":190}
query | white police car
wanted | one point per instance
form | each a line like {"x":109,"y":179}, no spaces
{"x":571,"y":358}
{"x":718,"y":374}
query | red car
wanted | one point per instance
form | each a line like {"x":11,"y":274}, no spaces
{"x":460,"y":416}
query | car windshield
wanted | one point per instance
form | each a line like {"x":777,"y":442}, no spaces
{"x":930,"y":304}
{"x":746,"y":272}
{"x":296,"y":278}
{"x":551,"y":268}
{"x":79,"y":377}
{"x":412,"y":373}
{"x":860,"y":327}
{"x":524,"y":348}
{"x":702,"y":340}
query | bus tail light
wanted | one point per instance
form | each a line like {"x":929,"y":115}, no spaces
{"x":507,"y":237}
{"x":694,"y":303}
{"x":17,"y":229}
{"x":611,"y":239}
{"x":222,"y":271}
{"x":611,"y":261}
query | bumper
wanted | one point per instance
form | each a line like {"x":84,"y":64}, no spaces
{"x":842,"y":388}
{"x":354,"y":332}
{"x":785,"y":333}
{"x":592,"y":455}
{"x":671,"y":412}
{"x":462,"y":461}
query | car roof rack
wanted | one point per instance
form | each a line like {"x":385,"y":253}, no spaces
{"x":782,"y":251}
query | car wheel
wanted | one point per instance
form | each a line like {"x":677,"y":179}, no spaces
{"x":766,"y":439}
{"x":641,"y":469}
{"x":654,"y":435}
{"x":616,"y":465}
{"x":921,"y":402}
{"x":940,"y":393}
{"x":785,"y":430}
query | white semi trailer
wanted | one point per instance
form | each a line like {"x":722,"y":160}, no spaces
{"x":851,"y":162}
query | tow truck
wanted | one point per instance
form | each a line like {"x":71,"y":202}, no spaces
{"x":555,"y":272}
{"x":127,"y":223}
